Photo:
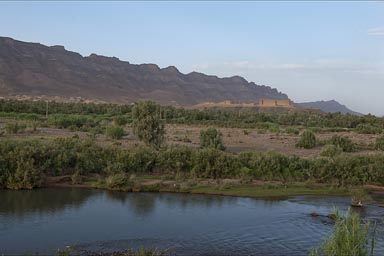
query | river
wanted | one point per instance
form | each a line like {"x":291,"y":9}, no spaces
{"x":43,"y":220}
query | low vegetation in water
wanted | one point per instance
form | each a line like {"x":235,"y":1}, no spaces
{"x":350,"y":237}
{"x":141,"y":251}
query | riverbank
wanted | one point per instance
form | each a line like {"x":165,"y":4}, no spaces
{"x":225,"y":187}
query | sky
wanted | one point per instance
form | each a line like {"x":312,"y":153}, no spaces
{"x":309,"y":50}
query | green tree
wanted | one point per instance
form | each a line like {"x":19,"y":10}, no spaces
{"x":211,"y":138}
{"x":307,"y":140}
{"x":147,"y":124}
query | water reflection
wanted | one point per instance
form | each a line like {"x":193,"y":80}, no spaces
{"x":21,"y":203}
{"x":141,"y":204}
{"x":46,"y":219}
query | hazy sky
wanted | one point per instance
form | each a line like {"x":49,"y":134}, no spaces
{"x":309,"y":50}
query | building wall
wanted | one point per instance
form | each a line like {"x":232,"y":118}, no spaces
{"x":275,"y":103}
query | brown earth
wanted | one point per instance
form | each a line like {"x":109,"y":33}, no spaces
{"x":235,"y":139}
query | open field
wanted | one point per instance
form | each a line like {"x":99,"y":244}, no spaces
{"x":235,"y":139}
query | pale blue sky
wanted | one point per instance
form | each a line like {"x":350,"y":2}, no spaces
{"x":309,"y":50}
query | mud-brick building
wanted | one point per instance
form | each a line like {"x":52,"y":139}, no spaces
{"x":275,"y":103}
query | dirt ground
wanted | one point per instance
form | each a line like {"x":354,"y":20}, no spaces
{"x":235,"y":139}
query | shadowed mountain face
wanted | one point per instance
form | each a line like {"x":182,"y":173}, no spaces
{"x":33,"y":69}
{"x":330,"y":106}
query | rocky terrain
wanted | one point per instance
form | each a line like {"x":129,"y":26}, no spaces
{"x":330,"y":106}
{"x":29,"y":70}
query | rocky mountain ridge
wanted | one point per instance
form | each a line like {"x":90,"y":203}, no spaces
{"x":35,"y":70}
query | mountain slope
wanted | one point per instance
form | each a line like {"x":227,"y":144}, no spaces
{"x":330,"y":106}
{"x":33,"y":69}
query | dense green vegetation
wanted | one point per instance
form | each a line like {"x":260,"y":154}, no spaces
{"x":24,"y":164}
{"x":211,"y":138}
{"x":115,"y":132}
{"x":147,"y":125}
{"x":350,"y":237}
{"x":307,"y":140}
{"x":240,"y":117}
{"x":380,"y":143}
{"x":342,"y":142}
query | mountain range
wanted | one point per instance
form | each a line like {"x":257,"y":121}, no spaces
{"x":35,"y":70}
{"x":330,"y":106}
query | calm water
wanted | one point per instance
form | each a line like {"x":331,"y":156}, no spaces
{"x":46,"y":219}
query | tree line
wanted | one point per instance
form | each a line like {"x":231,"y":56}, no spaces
{"x":237,"y":117}
{"x":25,"y":164}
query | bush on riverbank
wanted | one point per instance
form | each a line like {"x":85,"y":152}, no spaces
{"x":350,"y":237}
{"x":23,"y":164}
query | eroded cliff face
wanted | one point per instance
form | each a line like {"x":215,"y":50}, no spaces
{"x":34,"y":69}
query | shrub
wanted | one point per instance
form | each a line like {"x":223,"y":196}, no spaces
{"x":73,"y":122}
{"x":13,"y":128}
{"x":307,"y":140}
{"x":368,"y":129}
{"x":76,"y":178}
{"x":118,"y":181}
{"x":379,"y":144}
{"x":115,"y":132}
{"x":344,"y":143}
{"x":331,"y":150}
{"x":348,"y":238}
{"x":211,"y":138}
{"x":120,"y":120}
{"x":292,"y":130}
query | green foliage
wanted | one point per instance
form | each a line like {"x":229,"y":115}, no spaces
{"x":211,"y":138}
{"x":118,"y":181}
{"x":331,"y":150}
{"x":307,"y":140}
{"x":359,"y":197}
{"x":144,"y":252}
{"x":342,"y":142}
{"x":76,"y":178}
{"x":115,"y":132}
{"x":368,"y":129}
{"x":379,"y":144}
{"x":14,"y":127}
{"x":73,"y":122}
{"x":24,"y":164}
{"x":147,"y":124}
{"x":292,"y":130}
{"x":213,"y":163}
{"x":246,"y":118}
{"x":120,"y":120}
{"x":350,"y":237}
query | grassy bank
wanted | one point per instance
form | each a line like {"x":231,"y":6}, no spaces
{"x":254,"y":189}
